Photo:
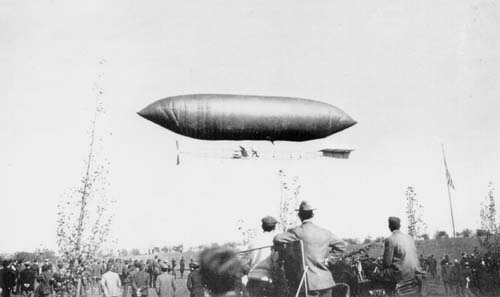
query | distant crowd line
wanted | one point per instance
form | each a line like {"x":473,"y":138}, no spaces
{"x":55,"y":278}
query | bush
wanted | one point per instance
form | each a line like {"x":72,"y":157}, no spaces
{"x":466,"y":232}
{"x":441,"y":234}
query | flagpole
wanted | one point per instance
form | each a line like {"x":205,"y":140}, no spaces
{"x":449,"y":194}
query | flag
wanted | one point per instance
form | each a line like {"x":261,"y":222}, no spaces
{"x":448,"y":175}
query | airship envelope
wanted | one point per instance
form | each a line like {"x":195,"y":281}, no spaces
{"x":242,"y":117}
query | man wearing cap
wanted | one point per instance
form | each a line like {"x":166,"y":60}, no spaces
{"x":194,"y":281}
{"x":262,"y":260}
{"x":319,"y":245}
{"x":165,"y":285}
{"x":400,"y":260}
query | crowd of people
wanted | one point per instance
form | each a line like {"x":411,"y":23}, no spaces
{"x":40,"y":279}
{"x":272,"y":265}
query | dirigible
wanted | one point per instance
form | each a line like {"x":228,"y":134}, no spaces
{"x":245,"y":117}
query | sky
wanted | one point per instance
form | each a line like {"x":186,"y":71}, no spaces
{"x":414,"y":74}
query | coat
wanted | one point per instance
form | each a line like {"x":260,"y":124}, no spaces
{"x":111,"y":284}
{"x":400,"y":253}
{"x":445,"y":271}
{"x":45,"y":284}
{"x":319,"y":245}
{"x":165,"y":285}
{"x":140,"y":281}
{"x":7,"y":278}
{"x":195,"y":284}
{"x":27,"y":279}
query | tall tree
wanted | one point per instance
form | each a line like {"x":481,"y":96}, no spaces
{"x":84,"y":217}
{"x":490,"y":239}
{"x":488,"y":211}
{"x":414,"y":210}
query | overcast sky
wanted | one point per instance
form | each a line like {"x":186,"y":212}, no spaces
{"x":414,"y":74}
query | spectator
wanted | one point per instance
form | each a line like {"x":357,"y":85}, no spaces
{"x":165,"y":285}
{"x":140,"y":282}
{"x":194,"y":281}
{"x":445,"y":275}
{"x":110,"y":282}
{"x":221,"y":272}
{"x":27,"y":280}
{"x":7,"y":279}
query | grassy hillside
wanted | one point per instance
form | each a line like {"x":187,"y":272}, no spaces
{"x":437,"y":247}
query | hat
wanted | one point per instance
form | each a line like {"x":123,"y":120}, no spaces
{"x":164,"y":266}
{"x":195,"y":264}
{"x":305,"y":206}
{"x":27,"y":263}
{"x":394,"y":222}
{"x":269,"y":221}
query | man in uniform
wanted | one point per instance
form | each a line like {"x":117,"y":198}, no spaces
{"x":262,"y":260}
{"x":400,"y":260}
{"x":319,"y":245}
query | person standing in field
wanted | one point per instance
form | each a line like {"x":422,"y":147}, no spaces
{"x":182,"y":266}
{"x":432,"y":265}
{"x":319,"y":246}
{"x":27,"y":280}
{"x":110,"y":282}
{"x":140,"y":282}
{"x":262,"y":260}
{"x":128,"y":274}
{"x":457,"y":279}
{"x":194,"y":282}
{"x":96,"y":276}
{"x":156,"y":269}
{"x":191,"y":261}
{"x":446,"y":276}
{"x":174,"y":274}
{"x":45,"y":281}
{"x":7,"y":279}
{"x":165,"y":285}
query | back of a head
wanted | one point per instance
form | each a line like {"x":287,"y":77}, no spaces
{"x":306,"y":215}
{"x":394,"y":223}
{"x":220,"y":269}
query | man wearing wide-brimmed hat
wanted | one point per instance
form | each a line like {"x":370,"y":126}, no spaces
{"x":262,"y":260}
{"x":319,"y":245}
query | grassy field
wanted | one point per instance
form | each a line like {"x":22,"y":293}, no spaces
{"x":437,"y":247}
